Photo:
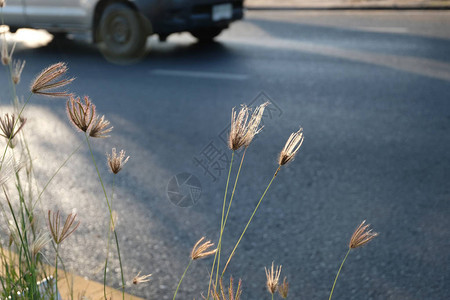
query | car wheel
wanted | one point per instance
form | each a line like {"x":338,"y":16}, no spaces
{"x":121,"y":31}
{"x":207,"y":34}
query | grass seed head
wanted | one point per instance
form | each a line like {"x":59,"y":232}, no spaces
{"x":273,"y":276}
{"x":283,"y":288}
{"x":220,"y":292}
{"x":17,"y":69}
{"x":50,"y":79}
{"x":291,"y":147}
{"x":100,"y":128}
{"x":6,"y":55}
{"x":10,"y":126}
{"x":141,"y":279}
{"x":116,"y":161}
{"x":39,"y":243}
{"x":202,"y":250}
{"x":361,"y":236}
{"x":244,"y":127}
{"x":54,"y":223}
{"x":80,"y":114}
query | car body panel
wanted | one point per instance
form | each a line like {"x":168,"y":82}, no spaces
{"x":165,"y":16}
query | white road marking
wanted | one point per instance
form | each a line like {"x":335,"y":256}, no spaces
{"x":199,"y":74}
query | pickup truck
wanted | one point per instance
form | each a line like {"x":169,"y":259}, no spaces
{"x":122,"y":26}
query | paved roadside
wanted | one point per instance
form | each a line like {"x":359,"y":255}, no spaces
{"x":347,"y":4}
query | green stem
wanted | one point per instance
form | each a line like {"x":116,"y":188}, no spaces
{"x":110,"y":214}
{"x":56,"y":270}
{"x":337,"y":275}
{"x":179,"y":283}
{"x":272,"y":296}
{"x":249,"y":221}
{"x":108,"y":243}
{"x":219,"y":244}
{"x":228,"y":211}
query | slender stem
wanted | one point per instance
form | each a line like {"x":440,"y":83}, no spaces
{"x":272,"y":296}
{"x":219,"y":244}
{"x":179,"y":283}
{"x":18,"y":231}
{"x":249,"y":221}
{"x":110,"y":214}
{"x":111,"y":226}
{"x":337,"y":275}
{"x":56,"y":173}
{"x":56,"y":270}
{"x":228,"y":211}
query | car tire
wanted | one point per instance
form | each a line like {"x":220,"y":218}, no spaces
{"x":206,"y":34}
{"x":121,"y":31}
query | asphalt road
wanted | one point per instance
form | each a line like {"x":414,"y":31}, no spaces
{"x":370,"y":89}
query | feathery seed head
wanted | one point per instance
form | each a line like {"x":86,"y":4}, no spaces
{"x":2,"y":3}
{"x":7,"y":168}
{"x":10,"y":126}
{"x":291,"y":147}
{"x":283,"y":289}
{"x":100,"y":128}
{"x":49,"y":79}
{"x":220,"y":293}
{"x":54,"y":223}
{"x":272,"y":278}
{"x":201,"y":250}
{"x":6,"y":55}
{"x":141,"y":279}
{"x":17,"y":69}
{"x":39,"y":243}
{"x":243,"y":129}
{"x":80,"y":114}
{"x":116,"y":161}
{"x":361,"y":236}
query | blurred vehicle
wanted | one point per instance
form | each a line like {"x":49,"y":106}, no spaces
{"x":122,"y":26}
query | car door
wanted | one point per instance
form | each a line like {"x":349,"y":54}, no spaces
{"x":58,"y":14}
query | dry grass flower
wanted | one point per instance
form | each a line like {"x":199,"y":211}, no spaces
{"x":243,"y":129}
{"x":291,"y":147}
{"x":361,"y":236}
{"x":7,"y":168}
{"x":116,"y":161}
{"x":10,"y":126}
{"x":80,"y":114}
{"x":2,"y":3}
{"x":6,"y":55}
{"x":39,"y":243}
{"x":54,"y":223}
{"x":283,"y":289}
{"x":100,"y":128}
{"x":220,"y":293}
{"x":201,"y":250}
{"x":141,"y":279}
{"x":17,"y":69}
{"x":273,"y":276}
{"x":49,"y":79}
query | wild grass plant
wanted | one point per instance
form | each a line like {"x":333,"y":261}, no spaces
{"x":31,"y":229}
